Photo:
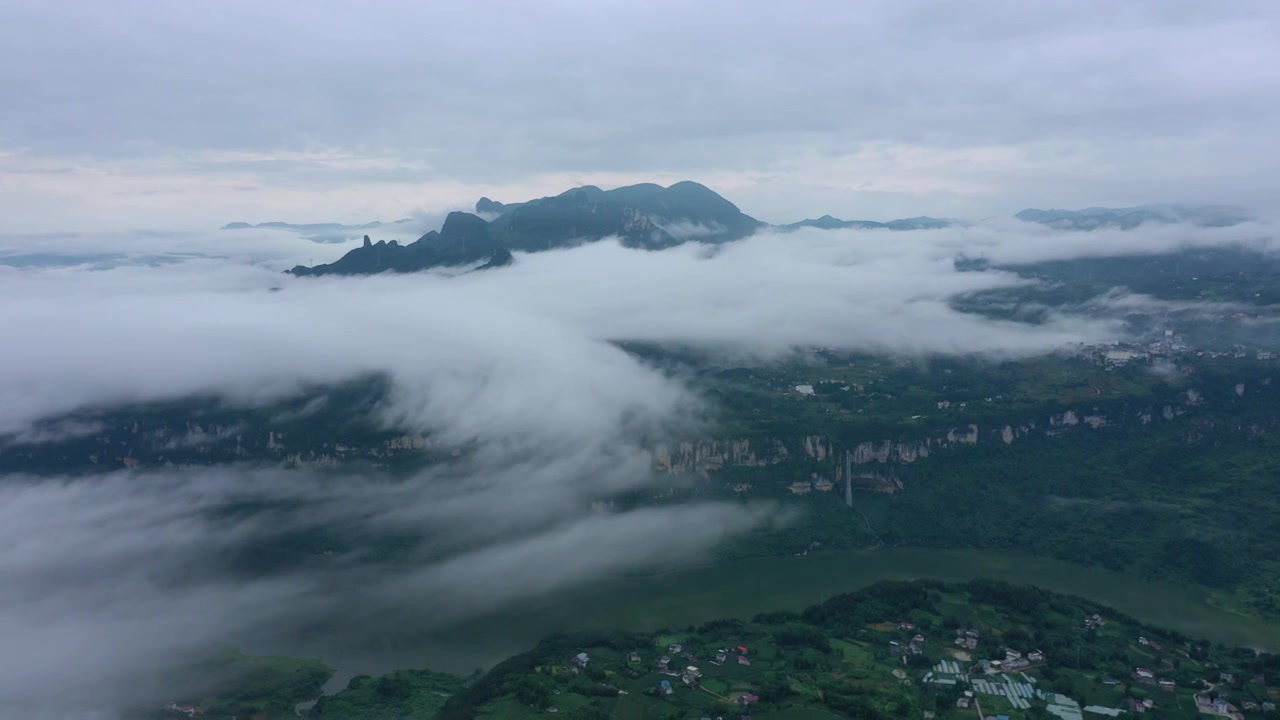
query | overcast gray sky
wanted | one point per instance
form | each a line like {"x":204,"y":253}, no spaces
{"x":142,"y":114}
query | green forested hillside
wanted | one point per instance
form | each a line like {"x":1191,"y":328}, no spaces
{"x":874,"y":654}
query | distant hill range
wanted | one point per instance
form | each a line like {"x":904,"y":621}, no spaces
{"x":320,"y":232}
{"x":826,"y":222}
{"x":1128,"y":218}
{"x":651,"y":217}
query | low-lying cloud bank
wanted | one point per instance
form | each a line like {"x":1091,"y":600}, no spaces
{"x":110,"y":582}
{"x":485,"y":349}
{"x":520,"y":366}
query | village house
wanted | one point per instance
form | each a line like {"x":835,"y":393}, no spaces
{"x":742,"y":660}
{"x":1141,"y":706}
{"x":581,"y":659}
{"x":964,"y":702}
{"x":1144,"y":673}
{"x":1227,"y":677}
{"x":1268,"y":707}
{"x":633,"y":657}
{"x":663,"y":662}
{"x":906,"y":626}
{"x":1035,"y":656}
{"x":675,"y":648}
{"x":721,"y":656}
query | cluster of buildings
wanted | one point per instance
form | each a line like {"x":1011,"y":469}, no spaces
{"x":967,"y":638}
{"x":1119,"y":354}
{"x":1216,"y":705}
{"x":913,"y":647}
{"x":1220,"y":704}
{"x":1147,"y":676}
{"x":689,"y":675}
{"x":1013,"y":660}
{"x":722,"y":655}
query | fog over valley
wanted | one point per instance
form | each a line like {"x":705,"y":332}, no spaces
{"x":520,"y":370}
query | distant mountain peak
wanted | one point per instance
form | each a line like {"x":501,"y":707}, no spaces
{"x":637,"y":214}
{"x":646,"y":215}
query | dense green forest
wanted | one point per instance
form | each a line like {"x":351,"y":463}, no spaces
{"x":401,"y":694}
{"x":1164,"y":486}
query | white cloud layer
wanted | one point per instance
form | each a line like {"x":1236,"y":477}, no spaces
{"x":515,"y":348}
{"x":518,"y":364}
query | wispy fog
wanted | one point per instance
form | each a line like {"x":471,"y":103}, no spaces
{"x":105,"y":579}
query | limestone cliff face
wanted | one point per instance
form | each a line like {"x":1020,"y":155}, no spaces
{"x":157,"y":440}
{"x":707,"y":456}
{"x":857,"y":460}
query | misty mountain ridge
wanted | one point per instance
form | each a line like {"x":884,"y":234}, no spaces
{"x":827,"y":222}
{"x":646,"y":216}
{"x":652,"y":217}
{"x":464,"y":239}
